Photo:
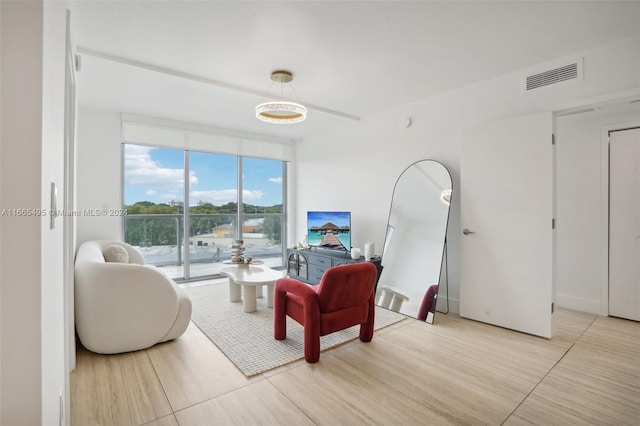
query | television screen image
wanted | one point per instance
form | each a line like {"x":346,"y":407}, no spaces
{"x":330,"y":230}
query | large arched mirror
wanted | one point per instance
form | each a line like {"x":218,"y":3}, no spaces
{"x":414,"y":244}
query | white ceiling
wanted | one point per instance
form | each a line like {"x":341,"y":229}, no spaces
{"x":209,"y":62}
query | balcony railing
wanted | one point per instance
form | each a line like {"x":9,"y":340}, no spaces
{"x":159,"y":237}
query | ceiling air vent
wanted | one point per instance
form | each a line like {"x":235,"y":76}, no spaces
{"x":558,"y":74}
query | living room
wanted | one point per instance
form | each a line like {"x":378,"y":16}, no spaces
{"x":374,"y":148}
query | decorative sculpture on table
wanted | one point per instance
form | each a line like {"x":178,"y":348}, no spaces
{"x":237,"y":253}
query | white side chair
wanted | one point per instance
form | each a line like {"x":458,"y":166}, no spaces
{"x":122,"y":305}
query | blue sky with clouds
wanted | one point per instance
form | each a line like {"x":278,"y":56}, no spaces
{"x":157,"y":175}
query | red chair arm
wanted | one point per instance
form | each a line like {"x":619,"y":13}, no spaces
{"x":300,"y":289}
{"x":304,"y":293}
{"x":308,"y":315}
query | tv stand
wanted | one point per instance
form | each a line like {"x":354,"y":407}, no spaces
{"x":308,"y":265}
{"x":336,"y":251}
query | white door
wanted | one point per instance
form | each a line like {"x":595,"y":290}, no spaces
{"x":507,"y":187}
{"x":624,"y":224}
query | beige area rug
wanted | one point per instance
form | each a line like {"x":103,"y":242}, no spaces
{"x":247,"y":338}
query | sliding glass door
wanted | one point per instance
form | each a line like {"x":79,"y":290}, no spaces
{"x":154,"y":200}
{"x":226,"y":198}
{"x":213,"y":211}
{"x":262,"y":201}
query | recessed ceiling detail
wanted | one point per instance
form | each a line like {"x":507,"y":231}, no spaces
{"x":135,"y":59}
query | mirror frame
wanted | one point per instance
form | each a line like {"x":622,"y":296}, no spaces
{"x":386,"y":296}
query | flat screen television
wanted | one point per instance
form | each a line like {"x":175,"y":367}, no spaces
{"x":330,"y":230}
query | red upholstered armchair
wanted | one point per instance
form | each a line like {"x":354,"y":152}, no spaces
{"x":343,"y":298}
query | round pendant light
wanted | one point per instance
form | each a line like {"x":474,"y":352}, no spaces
{"x":281,"y":111}
{"x":445,"y":196}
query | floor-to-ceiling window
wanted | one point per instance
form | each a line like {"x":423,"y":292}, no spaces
{"x":262,"y":201}
{"x":154,"y":201}
{"x":185,"y":208}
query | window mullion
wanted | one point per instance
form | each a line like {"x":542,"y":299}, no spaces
{"x":185,"y":219}
{"x":240,"y":213}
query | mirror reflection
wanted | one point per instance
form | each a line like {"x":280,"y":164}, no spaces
{"x":415,"y":240}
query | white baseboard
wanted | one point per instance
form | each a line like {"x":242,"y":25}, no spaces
{"x":454,"y":305}
{"x":592,"y":306}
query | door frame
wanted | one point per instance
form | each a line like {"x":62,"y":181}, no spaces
{"x":69,"y":190}
{"x":604,"y":209}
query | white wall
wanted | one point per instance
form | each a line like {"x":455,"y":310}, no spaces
{"x":20,"y":182}
{"x":99,"y":176}
{"x":372,"y":153}
{"x":32,"y":320}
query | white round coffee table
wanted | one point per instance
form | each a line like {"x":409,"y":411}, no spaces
{"x":251,"y":279}
{"x":391,"y":298}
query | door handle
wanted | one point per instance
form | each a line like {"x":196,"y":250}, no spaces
{"x":466,"y":231}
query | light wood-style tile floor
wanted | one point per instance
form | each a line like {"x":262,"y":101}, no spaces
{"x":456,"y":372}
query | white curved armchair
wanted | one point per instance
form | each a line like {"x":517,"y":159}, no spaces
{"x":123,"y":307}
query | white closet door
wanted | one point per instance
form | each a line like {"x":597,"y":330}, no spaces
{"x":624,"y":224}
{"x":506,"y":262}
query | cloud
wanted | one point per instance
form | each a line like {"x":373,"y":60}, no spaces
{"x":141,"y":170}
{"x":223,"y":196}
{"x":171,"y":196}
{"x":168,"y":183}
{"x":249,"y":195}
